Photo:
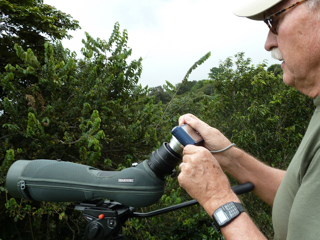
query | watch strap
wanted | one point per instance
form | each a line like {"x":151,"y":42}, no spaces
{"x":239,"y":206}
{"x":225,"y":207}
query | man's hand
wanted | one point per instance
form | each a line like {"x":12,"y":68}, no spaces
{"x":202,"y":177}
{"x":213,"y":139}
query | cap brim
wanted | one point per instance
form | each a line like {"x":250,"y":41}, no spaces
{"x":255,"y":9}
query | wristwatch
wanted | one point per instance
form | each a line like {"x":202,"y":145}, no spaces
{"x":226,"y":214}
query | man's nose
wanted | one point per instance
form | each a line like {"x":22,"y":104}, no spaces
{"x":271,"y":41}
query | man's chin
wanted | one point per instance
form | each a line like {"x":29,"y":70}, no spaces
{"x":288,"y":79}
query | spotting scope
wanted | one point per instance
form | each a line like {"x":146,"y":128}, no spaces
{"x":138,"y":186}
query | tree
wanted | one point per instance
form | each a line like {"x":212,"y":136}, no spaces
{"x":214,"y":72}
{"x":90,"y":111}
{"x":30,"y":23}
{"x":275,"y":69}
{"x":160,"y":95}
{"x":185,"y":86}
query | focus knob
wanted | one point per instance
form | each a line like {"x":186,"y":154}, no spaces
{"x":94,"y":231}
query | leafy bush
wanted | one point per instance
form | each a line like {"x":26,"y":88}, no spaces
{"x":90,"y":111}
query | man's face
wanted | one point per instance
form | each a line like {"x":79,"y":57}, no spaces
{"x":298,"y":41}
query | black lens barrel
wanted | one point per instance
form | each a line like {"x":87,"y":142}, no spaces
{"x":164,"y":160}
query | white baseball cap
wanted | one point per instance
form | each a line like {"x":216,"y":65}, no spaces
{"x":254,"y":9}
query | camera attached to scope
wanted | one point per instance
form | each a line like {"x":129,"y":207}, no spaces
{"x":138,"y":186}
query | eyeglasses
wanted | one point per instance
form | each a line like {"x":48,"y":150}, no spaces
{"x":269,"y":20}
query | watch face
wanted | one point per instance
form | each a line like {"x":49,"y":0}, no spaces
{"x":226,"y":213}
{"x":221,"y":217}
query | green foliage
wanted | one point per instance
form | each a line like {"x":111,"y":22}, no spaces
{"x":30,"y":23}
{"x":90,"y":111}
{"x":214,"y":72}
{"x":160,"y":95}
{"x":275,"y":69}
{"x":173,"y":91}
{"x":260,"y":109}
{"x":185,"y":87}
{"x":195,"y":65}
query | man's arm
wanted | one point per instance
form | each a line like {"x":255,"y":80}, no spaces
{"x":245,"y":168}
{"x":204,"y":180}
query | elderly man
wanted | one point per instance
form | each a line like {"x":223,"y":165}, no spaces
{"x":294,"y":39}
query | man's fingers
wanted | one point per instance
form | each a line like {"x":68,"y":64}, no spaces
{"x":180,"y":166}
{"x":190,"y":149}
{"x":197,"y":124}
{"x":187,"y":118}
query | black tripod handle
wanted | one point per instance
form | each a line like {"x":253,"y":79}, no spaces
{"x":238,"y":189}
{"x":243,"y":188}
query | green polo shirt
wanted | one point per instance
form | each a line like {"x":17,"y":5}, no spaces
{"x":296,"y":209}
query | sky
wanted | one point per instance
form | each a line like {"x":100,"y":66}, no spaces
{"x":170,"y":35}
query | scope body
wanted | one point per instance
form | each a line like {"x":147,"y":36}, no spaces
{"x":60,"y":181}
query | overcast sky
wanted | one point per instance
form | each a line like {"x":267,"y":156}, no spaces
{"x":170,"y":35}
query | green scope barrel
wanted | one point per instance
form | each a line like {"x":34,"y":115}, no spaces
{"x":60,"y":181}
